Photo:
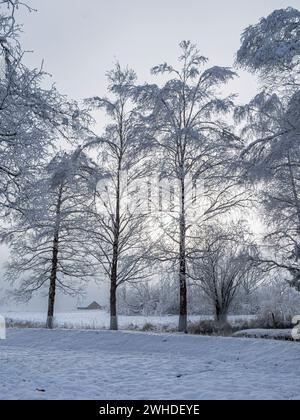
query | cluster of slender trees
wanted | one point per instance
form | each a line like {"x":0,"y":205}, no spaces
{"x":77,"y":204}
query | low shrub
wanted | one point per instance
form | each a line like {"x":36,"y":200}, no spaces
{"x":210,"y":328}
{"x":148,"y":327}
{"x":271,"y":321}
{"x":10,"y":323}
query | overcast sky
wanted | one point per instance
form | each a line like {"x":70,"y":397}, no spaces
{"x":79,"y":40}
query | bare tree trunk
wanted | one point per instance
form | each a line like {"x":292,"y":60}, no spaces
{"x":183,"y":299}
{"x":182,"y":264}
{"x":52,"y":288}
{"x":113,"y":299}
{"x":55,"y":251}
{"x":221,"y":317}
{"x":115,"y":260}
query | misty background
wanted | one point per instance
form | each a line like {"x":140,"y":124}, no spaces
{"x":79,"y":41}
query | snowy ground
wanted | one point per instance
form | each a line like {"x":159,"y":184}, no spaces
{"x":100,"y":320}
{"x":40,"y":364}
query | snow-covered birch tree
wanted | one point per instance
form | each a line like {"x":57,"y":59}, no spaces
{"x":32,"y":118}
{"x":271,"y":48}
{"x":271,"y":131}
{"x":46,"y":235}
{"x":119,"y":243}
{"x":194,"y":145}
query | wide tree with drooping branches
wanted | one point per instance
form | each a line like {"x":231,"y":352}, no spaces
{"x":47,"y":236}
{"x":271,"y":132}
{"x":32,"y":118}
{"x":194,"y":145}
{"x":271,"y":49}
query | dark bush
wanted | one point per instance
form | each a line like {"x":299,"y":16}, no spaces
{"x":210,"y":328}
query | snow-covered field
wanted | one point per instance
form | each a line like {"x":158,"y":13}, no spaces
{"x":100,"y":320}
{"x":40,"y":364}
